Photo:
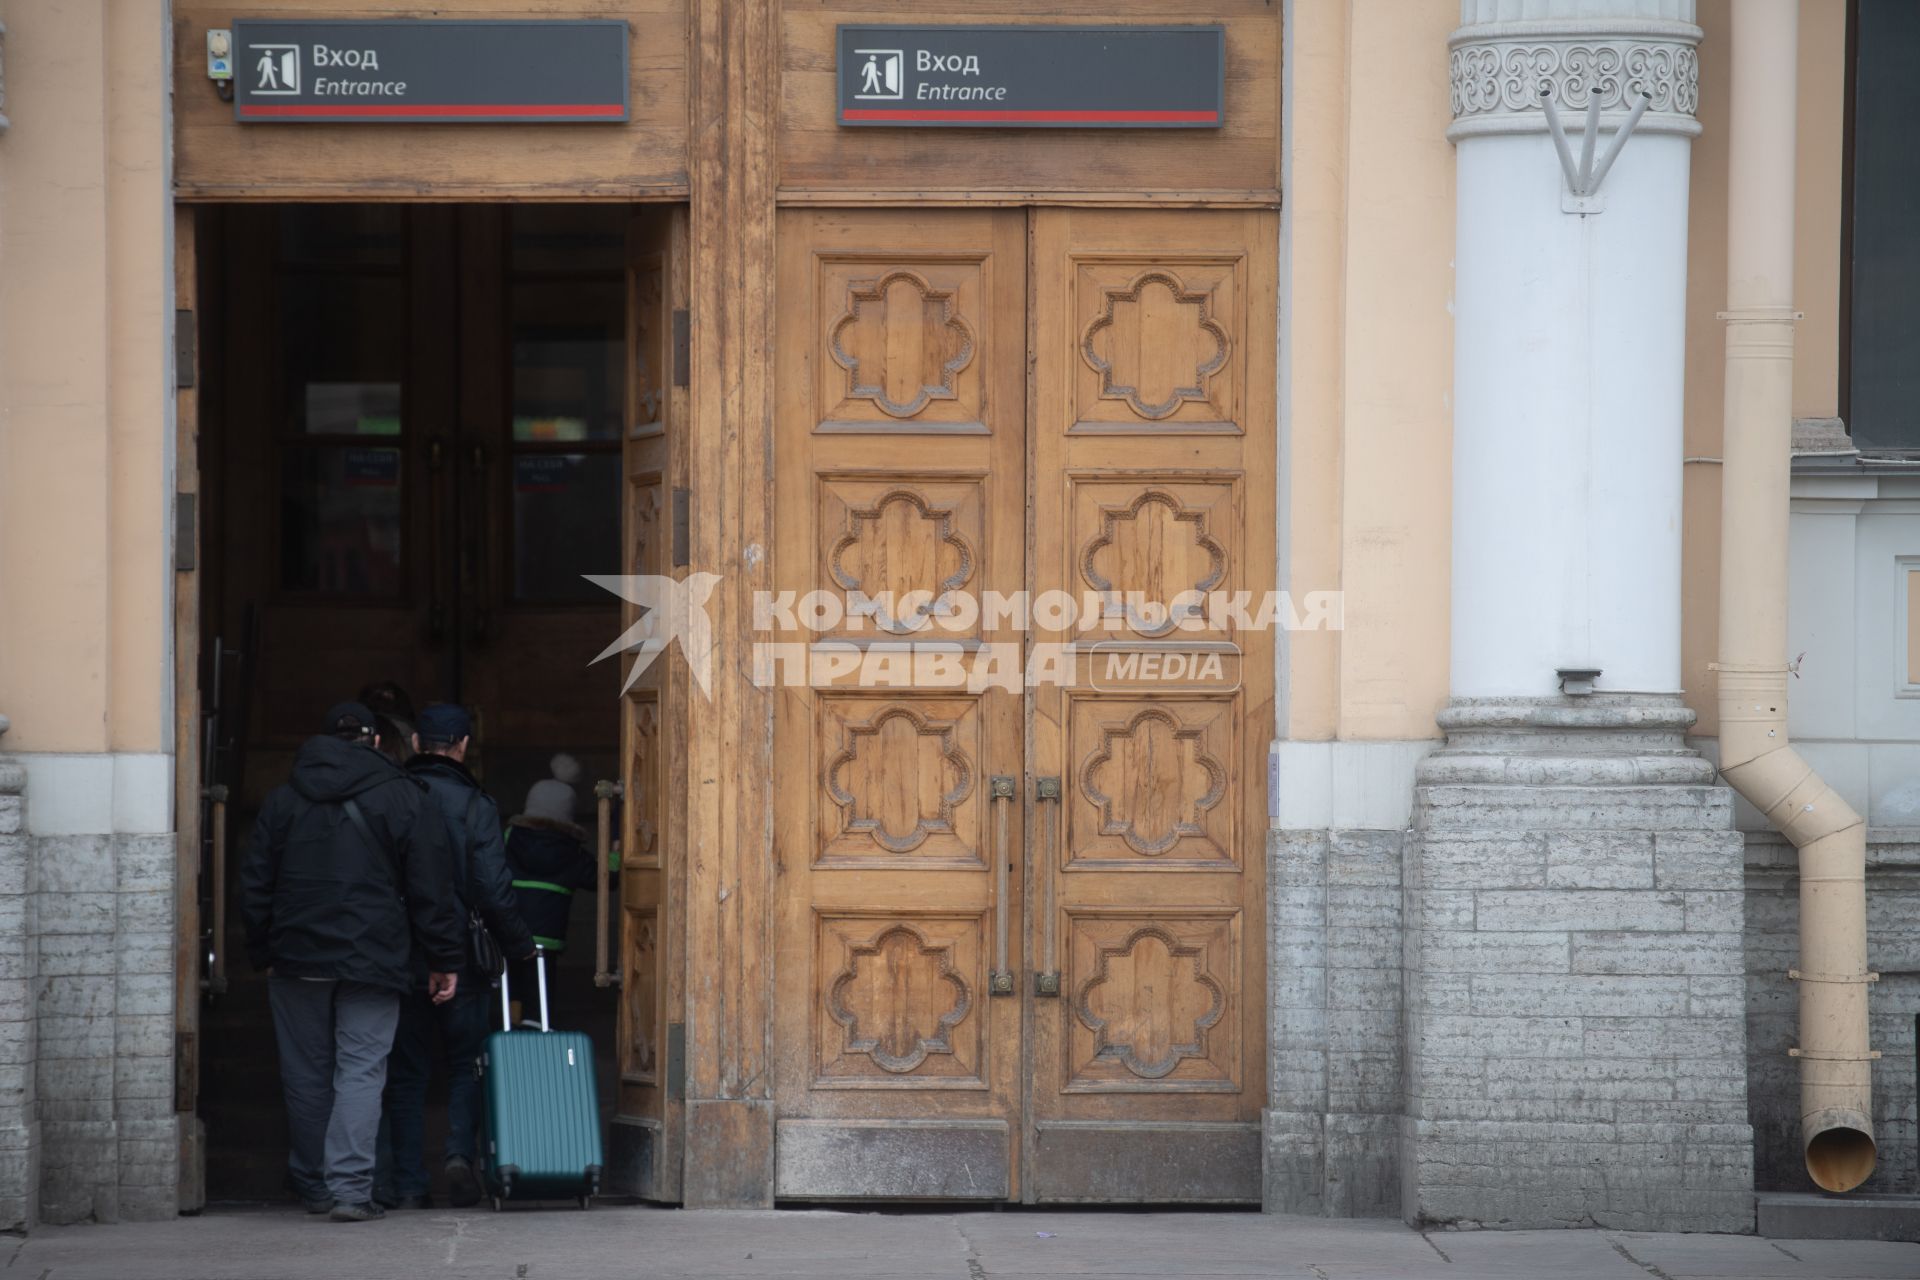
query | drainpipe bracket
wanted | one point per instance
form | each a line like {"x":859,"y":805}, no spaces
{"x":1844,"y":978}
{"x":1760,"y":315}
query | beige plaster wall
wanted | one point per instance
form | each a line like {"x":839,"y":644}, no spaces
{"x":1370,"y":346}
{"x":83,"y":488}
{"x":1820,"y":149}
{"x":84,"y":259}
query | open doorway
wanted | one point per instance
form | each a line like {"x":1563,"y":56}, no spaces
{"x":411,"y":425}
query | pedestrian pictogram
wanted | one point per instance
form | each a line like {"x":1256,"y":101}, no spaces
{"x":880,"y":73}
{"x":276,"y":68}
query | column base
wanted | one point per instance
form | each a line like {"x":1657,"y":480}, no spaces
{"x":1576,"y":1041}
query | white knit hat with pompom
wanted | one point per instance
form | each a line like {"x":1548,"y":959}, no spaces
{"x":553,"y":798}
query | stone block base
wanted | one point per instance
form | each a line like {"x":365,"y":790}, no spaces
{"x":1331,"y":1130}
{"x":1575,"y":987}
{"x":1341,"y":1166}
{"x":1524,"y":1175}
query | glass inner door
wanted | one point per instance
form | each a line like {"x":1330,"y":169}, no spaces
{"x":433,"y":397}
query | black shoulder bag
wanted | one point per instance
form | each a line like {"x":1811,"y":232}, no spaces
{"x":483,"y":953}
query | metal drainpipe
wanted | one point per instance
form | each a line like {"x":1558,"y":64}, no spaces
{"x":1836,"y":1086}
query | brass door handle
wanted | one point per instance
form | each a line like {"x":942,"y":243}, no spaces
{"x":604,"y":792}
{"x":1000,"y":982}
{"x":1046,"y":981}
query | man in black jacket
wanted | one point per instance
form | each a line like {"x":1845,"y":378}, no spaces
{"x":442,"y":735}
{"x":345,"y":873}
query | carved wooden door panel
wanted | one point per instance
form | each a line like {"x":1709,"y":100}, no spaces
{"x":1152,"y":452}
{"x":644,"y":1151}
{"x":901,"y":482}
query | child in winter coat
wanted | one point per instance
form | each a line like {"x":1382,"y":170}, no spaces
{"x":550,"y":857}
{"x":550,"y":854}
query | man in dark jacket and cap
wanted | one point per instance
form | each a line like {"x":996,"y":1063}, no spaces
{"x":443,"y":733}
{"x":346,"y":872}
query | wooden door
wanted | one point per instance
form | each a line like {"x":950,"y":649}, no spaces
{"x":646,"y":1139}
{"x":900,"y":460}
{"x":1060,"y":409}
{"x":1153,"y":491}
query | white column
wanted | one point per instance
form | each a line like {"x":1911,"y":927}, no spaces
{"x":1569,"y":335}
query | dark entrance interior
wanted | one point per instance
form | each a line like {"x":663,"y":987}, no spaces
{"x":411,"y":452}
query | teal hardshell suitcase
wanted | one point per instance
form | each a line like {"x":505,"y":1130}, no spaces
{"x":543,"y":1110}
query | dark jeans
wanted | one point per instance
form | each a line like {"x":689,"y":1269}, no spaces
{"x":461,"y":1026}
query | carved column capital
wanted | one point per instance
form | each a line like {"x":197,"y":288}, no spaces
{"x":1499,"y":68}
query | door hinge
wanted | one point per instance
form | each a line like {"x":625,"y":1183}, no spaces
{"x":184,"y":505}
{"x":682,"y":528}
{"x":676,"y":1060}
{"x":682,"y":348}
{"x":184,"y":359}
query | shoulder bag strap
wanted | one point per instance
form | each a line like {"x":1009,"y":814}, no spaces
{"x":359,"y":821}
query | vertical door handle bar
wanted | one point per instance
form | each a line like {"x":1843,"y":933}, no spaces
{"x":437,"y":609}
{"x":217,"y":818}
{"x":483,"y":527}
{"x":1001,"y":980}
{"x":604,"y":792}
{"x":1047,"y":981}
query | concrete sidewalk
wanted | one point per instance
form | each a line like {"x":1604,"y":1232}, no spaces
{"x":629,"y":1243}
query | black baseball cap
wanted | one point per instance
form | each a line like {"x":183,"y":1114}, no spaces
{"x":350,"y":717}
{"x":443,"y":722}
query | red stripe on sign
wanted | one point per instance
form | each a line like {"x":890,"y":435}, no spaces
{"x":1031,"y":117}
{"x":583,"y":110}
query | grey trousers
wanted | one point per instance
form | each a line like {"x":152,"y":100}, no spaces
{"x":334,"y":1038}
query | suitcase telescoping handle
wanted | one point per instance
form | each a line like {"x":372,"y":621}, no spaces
{"x":540,"y":975}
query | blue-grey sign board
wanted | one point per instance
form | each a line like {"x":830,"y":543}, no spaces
{"x":1012,"y":77}
{"x":414,"y":71}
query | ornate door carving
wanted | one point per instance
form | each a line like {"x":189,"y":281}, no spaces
{"x":900,"y":448}
{"x":1009,"y":402}
{"x":1153,"y":487}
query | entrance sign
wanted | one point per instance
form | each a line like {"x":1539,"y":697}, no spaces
{"x":414,"y":71}
{"x":1033,"y":77}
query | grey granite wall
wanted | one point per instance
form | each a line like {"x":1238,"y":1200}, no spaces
{"x":104,"y":1003}
{"x":88,"y":1130}
{"x":1334,"y":959}
{"x":19,"y":1119}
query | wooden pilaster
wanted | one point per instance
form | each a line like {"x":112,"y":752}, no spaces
{"x":731,"y":101}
